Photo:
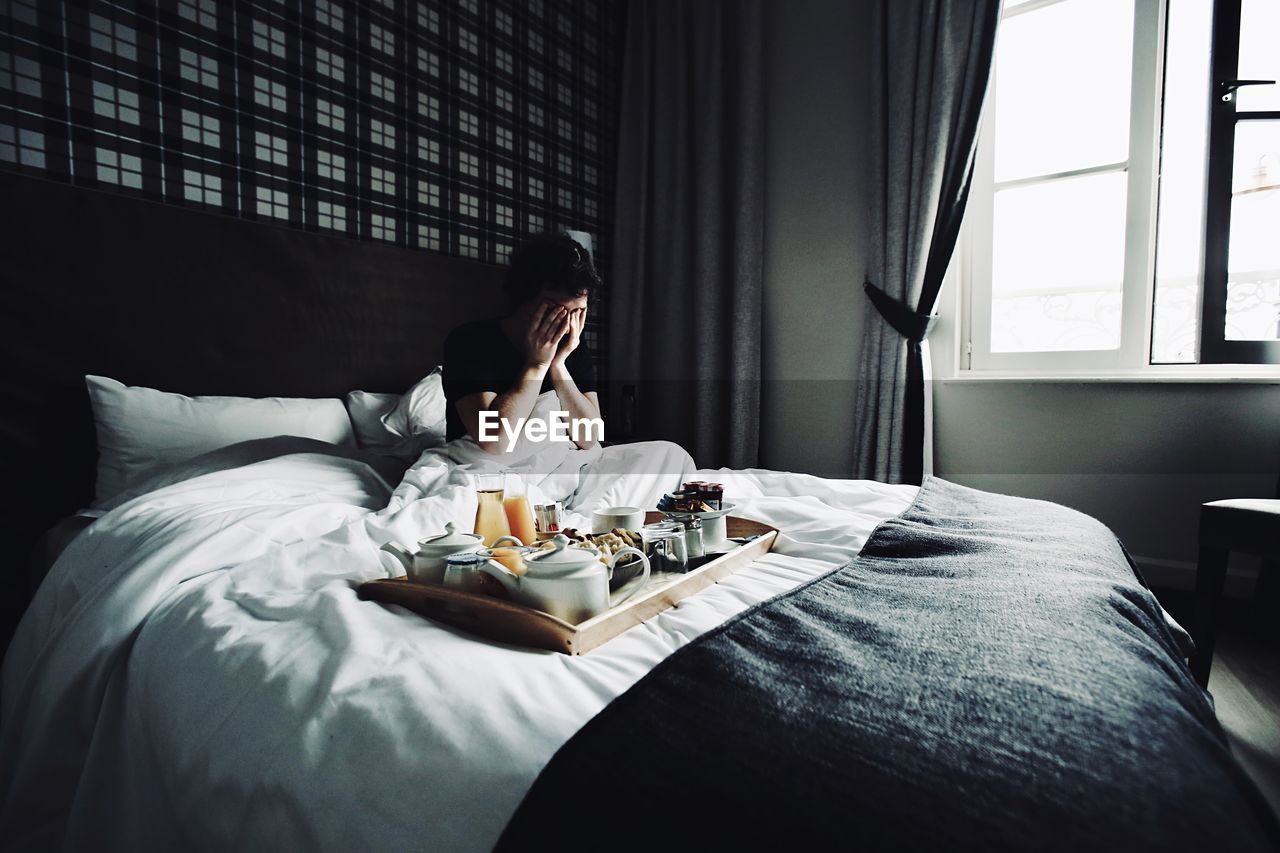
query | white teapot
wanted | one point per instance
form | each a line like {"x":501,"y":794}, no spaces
{"x":426,"y":565}
{"x":569,"y":583}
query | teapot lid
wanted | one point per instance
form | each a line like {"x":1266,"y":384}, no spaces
{"x":450,"y":537}
{"x":563,"y":556}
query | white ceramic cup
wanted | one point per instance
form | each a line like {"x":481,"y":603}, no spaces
{"x":626,"y":517}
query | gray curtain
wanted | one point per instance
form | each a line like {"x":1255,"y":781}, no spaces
{"x":931,"y":66}
{"x":685,"y":289}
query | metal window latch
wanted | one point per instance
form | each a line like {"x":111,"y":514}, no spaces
{"x":1229,"y":87}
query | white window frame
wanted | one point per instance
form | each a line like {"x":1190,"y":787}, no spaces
{"x":975,"y":250}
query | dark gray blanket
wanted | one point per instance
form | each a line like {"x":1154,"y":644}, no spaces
{"x":988,"y":674}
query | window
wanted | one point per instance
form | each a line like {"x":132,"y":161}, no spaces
{"x":428,"y":19}
{"x":113,"y":37}
{"x":468,"y":123}
{"x":467,"y":40}
{"x":428,"y":150}
{"x":381,"y":86}
{"x":502,"y":99}
{"x":113,"y":103}
{"x":329,"y":14}
{"x":1240,"y":314}
{"x":268,"y":39}
{"x":117,"y":168}
{"x":271,"y":149}
{"x":201,"y":129}
{"x":1082,"y":242}
{"x":26,"y":71}
{"x":203,"y":12}
{"x":381,"y":133}
{"x":331,"y":216}
{"x":201,"y":188}
{"x":428,"y":194}
{"x":468,"y":82}
{"x":273,"y":203}
{"x":330,"y":64}
{"x":269,"y":93}
{"x":428,"y":106}
{"x":382,"y":180}
{"x":197,"y":68}
{"x":382,"y":40}
{"x":428,"y":62}
{"x":429,"y":237}
{"x":332,"y":116}
{"x":382,"y":227}
{"x":28,"y":150}
{"x":330,"y":165}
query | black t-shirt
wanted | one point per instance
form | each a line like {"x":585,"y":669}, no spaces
{"x":479,"y":357}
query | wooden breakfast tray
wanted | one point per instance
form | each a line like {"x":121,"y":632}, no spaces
{"x":523,"y":626}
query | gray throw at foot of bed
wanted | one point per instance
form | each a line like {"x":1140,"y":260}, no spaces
{"x":988,"y":674}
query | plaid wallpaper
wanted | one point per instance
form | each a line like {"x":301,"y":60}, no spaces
{"x":455,"y":126}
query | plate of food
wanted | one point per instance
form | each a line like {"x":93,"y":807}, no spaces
{"x":687,"y":505}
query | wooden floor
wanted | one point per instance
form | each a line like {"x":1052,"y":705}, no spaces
{"x":1245,"y":684}
{"x":1245,"y":681}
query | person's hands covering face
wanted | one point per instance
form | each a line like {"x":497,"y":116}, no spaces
{"x":577,"y":318}
{"x":547,"y":331}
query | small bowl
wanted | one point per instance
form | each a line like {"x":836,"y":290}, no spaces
{"x":626,"y":569}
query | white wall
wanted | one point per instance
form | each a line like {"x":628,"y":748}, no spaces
{"x":815,"y":145}
{"x":1140,"y":457}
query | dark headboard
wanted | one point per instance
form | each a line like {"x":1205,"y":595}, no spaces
{"x":197,"y":303}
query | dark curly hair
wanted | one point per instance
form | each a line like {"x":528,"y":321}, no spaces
{"x":550,"y":262}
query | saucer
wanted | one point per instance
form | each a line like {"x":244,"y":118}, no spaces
{"x":676,"y":515}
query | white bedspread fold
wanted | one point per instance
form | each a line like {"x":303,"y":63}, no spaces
{"x":198,"y":671}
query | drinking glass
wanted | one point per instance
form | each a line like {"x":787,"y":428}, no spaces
{"x":519,"y":513}
{"x":491,"y":515}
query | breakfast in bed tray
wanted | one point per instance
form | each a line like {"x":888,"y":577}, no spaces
{"x":570,"y":591}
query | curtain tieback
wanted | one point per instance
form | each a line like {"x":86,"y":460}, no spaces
{"x":912,"y":325}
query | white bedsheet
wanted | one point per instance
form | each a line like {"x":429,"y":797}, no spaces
{"x":198,"y":672}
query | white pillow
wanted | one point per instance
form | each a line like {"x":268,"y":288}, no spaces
{"x":421,"y":411}
{"x":142,"y":431}
{"x":367,"y":409}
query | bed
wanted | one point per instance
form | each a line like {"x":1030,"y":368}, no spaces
{"x":907,"y":668}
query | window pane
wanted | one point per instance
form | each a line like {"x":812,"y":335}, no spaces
{"x":1253,"y":267}
{"x":1062,"y":83}
{"x":1058,"y":265}
{"x":1259,"y":59}
{"x":1184,"y":143}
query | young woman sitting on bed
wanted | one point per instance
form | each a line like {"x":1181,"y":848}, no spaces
{"x":504,"y":365}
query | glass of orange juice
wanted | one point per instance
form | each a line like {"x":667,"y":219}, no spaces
{"x":491,"y":515}
{"x":516,"y":504}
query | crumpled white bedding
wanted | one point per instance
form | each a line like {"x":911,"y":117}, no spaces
{"x":197,"y":671}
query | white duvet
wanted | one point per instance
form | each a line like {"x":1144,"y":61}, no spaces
{"x":197,"y":671}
